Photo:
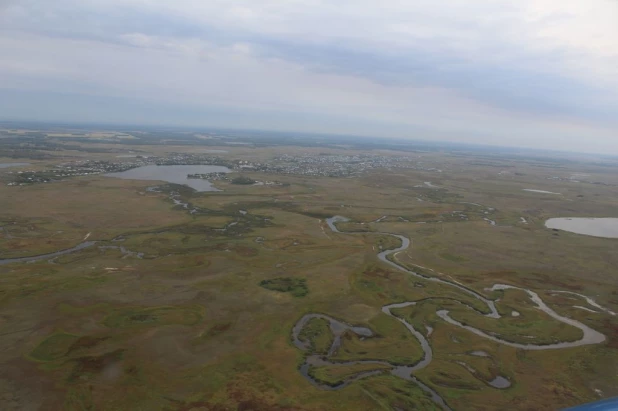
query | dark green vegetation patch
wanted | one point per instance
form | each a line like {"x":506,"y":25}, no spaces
{"x":156,"y":316}
{"x":54,"y":346}
{"x":296,"y":286}
{"x":243,"y":180}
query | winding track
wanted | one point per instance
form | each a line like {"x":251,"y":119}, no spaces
{"x":338,"y":327}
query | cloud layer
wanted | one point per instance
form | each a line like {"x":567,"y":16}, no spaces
{"x":536,"y":73}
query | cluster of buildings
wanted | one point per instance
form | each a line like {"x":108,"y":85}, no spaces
{"x":93,"y":167}
{"x":325,"y":165}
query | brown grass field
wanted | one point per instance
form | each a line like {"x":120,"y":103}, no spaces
{"x":187,"y":326}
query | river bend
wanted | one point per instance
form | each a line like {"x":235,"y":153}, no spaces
{"x":338,"y":327}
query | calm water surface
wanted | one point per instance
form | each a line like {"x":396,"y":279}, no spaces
{"x":173,"y":174}
{"x":597,"y":227}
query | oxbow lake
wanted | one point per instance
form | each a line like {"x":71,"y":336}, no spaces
{"x":173,"y":174}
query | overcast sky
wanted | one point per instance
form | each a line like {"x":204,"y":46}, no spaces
{"x":533,"y":73}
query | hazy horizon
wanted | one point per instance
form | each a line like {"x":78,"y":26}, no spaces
{"x":536,"y":74}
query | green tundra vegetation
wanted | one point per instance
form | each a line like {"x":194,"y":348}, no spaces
{"x":174,"y":309}
{"x":243,"y":180}
{"x":295,"y":286}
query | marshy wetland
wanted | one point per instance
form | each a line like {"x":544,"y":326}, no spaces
{"x":127,"y":293}
{"x":406,"y":372}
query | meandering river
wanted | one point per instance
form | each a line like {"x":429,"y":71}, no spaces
{"x":7,"y":165}
{"x":78,"y":247}
{"x":338,"y":328}
{"x":85,"y":244}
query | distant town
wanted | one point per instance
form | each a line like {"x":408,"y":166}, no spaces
{"x":323,"y":165}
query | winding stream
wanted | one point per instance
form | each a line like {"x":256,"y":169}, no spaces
{"x":85,"y":244}
{"x":78,"y":247}
{"x":338,"y":328}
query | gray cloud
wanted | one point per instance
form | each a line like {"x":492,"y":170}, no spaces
{"x":524,"y":89}
{"x":509,"y":66}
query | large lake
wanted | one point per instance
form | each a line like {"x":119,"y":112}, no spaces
{"x":597,"y":227}
{"x":173,"y":174}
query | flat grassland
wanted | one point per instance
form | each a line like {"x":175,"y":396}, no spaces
{"x":167,"y":311}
